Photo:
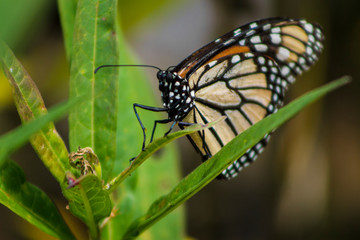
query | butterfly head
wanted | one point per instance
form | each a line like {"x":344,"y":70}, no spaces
{"x":164,"y":78}
{"x":176,"y":94}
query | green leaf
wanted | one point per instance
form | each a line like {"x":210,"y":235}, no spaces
{"x":93,"y":122}
{"x":16,"y":138}
{"x":29,"y":103}
{"x":89,"y":202}
{"x":211,"y":168}
{"x":67,"y":10}
{"x":29,"y":202}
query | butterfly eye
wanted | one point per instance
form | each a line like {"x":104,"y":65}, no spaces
{"x":160,"y":75}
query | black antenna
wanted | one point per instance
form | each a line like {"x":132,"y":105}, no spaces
{"x":115,"y":65}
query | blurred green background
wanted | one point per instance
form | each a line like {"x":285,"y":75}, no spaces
{"x":304,"y":186}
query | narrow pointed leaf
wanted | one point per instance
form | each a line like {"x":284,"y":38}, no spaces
{"x":93,"y":123}
{"x":211,"y":168}
{"x":89,"y":202}
{"x":67,"y":10}
{"x":29,"y":202}
{"x":16,"y":138}
{"x":29,"y":103}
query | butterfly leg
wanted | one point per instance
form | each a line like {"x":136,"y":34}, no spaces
{"x":153,"y":109}
{"x":205,"y":147}
{"x":186,"y":123}
{"x":171,"y":128}
{"x":160,"y":121}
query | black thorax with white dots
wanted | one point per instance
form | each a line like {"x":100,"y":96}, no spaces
{"x":176,"y":95}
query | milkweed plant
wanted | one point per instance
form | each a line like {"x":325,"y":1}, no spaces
{"x":115,"y":198}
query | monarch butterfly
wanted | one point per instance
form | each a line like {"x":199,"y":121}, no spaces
{"x":242,"y":75}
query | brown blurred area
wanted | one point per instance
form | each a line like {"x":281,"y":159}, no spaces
{"x":306,"y":185}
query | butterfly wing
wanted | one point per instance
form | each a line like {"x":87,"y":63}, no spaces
{"x":239,"y":88}
{"x":243,"y":75}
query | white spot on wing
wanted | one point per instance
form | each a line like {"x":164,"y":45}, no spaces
{"x":235,"y":59}
{"x":302,"y":61}
{"x":274,"y":69}
{"x":261,"y":47}
{"x":237,"y":31}
{"x":229,"y":41}
{"x":252,"y":154}
{"x":276,"y":30}
{"x":311,"y":38}
{"x":285,"y":70}
{"x":272,"y":77}
{"x":275,"y":38}
{"x":309,"y":27}
{"x":249,"y":55}
{"x":275,"y":97}
{"x":318,"y":33}
{"x":211,"y":64}
{"x":255,"y":39}
{"x":309,"y":50}
{"x":253,"y":25}
{"x":291,"y":78}
{"x":271,"y":108}
{"x":249,"y":33}
{"x":266,"y":27}
{"x":278,"y":89}
{"x":283,"y":54}
{"x":258,"y":146}
{"x":261,"y":60}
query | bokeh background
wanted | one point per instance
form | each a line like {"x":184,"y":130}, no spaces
{"x":306,"y":185}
